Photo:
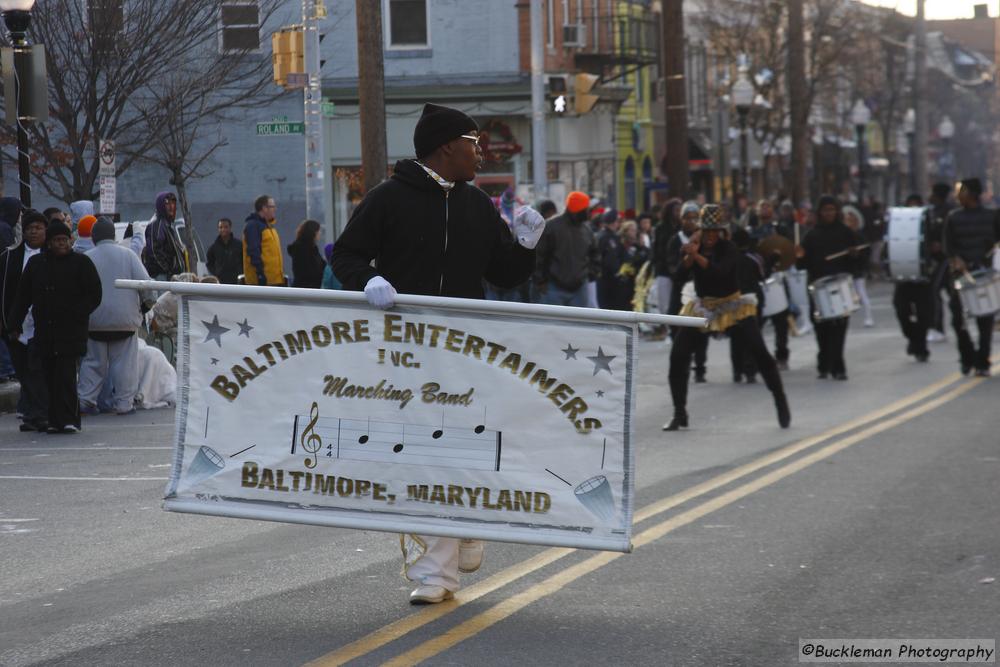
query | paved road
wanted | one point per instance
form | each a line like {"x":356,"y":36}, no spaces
{"x":873,"y":516}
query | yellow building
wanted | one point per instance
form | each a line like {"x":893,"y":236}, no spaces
{"x":635,"y":163}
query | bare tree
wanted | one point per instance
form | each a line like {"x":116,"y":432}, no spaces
{"x":109,"y":61}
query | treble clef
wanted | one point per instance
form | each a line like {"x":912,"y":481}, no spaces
{"x":310,"y":440}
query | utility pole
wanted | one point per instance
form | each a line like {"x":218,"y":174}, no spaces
{"x":919,"y":146}
{"x":798,"y":110}
{"x":539,"y":150}
{"x":317,"y":204}
{"x":676,"y":98}
{"x":371,"y":92}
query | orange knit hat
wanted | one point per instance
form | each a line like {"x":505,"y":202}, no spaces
{"x":86,"y":224}
{"x":577,"y":201}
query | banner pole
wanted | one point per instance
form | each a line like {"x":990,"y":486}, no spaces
{"x":357,"y":298}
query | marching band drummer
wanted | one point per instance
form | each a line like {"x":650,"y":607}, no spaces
{"x":830,"y":236}
{"x":912,"y":299}
{"x":431,"y":232}
{"x":970,"y":234}
{"x":712,"y":261}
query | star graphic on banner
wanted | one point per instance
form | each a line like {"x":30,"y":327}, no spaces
{"x":245,"y":328}
{"x":600,"y":393}
{"x":571,"y":351}
{"x":215,"y":331}
{"x":602,"y":362}
{"x":215,"y":362}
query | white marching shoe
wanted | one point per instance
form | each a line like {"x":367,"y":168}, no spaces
{"x":430,"y":595}
{"x":470,"y":555}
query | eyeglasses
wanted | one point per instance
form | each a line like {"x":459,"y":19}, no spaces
{"x":471,"y":137}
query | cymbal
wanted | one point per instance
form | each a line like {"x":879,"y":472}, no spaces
{"x":781,"y":245}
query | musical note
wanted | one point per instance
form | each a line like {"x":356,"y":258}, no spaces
{"x":310,"y":441}
{"x":438,"y":433}
{"x":481,"y":427}
{"x":363,"y":439}
{"x":398,"y":448}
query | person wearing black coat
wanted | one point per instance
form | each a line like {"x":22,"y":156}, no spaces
{"x":33,"y":399}
{"x":307,"y":262}
{"x":971,"y":234}
{"x":62,"y":288}
{"x":431,"y":232}
{"x":225,"y":256}
{"x":828,"y":237}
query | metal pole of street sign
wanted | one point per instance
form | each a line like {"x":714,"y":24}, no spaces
{"x":316,"y":168}
{"x":539,"y":159}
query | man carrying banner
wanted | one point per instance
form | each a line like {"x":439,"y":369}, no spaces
{"x":432,"y":233}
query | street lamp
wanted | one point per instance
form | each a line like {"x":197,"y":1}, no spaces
{"x":743,"y":96}
{"x":20,"y":65}
{"x":946,"y":130}
{"x":861,"y":116}
{"x":910,"y":127}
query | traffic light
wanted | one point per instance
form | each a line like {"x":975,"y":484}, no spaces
{"x":583,"y":99}
{"x":288,"y":54}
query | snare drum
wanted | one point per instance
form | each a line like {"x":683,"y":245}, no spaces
{"x":834,"y":297}
{"x":906,"y":244}
{"x":775,"y":298}
{"x":982,"y":297}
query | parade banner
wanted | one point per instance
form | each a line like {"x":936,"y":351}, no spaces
{"x":510,"y":427}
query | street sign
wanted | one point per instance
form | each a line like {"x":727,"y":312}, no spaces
{"x":109,"y":194}
{"x":107,"y":158}
{"x":280,"y":129}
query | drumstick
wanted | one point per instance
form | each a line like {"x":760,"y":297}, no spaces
{"x":846,"y":252}
{"x":796,"y":225}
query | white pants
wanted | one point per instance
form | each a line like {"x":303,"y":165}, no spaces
{"x":664,"y":286}
{"x":438,"y":564}
{"x":109,"y":374}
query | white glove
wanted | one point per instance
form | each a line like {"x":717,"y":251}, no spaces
{"x":380,"y":293}
{"x":528,"y":226}
{"x":592,"y":294}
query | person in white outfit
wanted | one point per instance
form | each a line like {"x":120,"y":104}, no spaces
{"x":109,"y":377}
{"x":856,"y":221}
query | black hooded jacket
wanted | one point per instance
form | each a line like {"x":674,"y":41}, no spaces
{"x":425,"y":241}
{"x":970,"y":233}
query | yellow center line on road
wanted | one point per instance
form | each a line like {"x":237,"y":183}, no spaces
{"x":553,"y":584}
{"x":397,"y":629}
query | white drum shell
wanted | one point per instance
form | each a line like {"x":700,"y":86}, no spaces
{"x":834,"y":297}
{"x":775,"y":298}
{"x":981,"y":298}
{"x":906,"y":244}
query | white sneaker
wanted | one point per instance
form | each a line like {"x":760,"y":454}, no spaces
{"x":935,"y":336}
{"x":869,"y":322}
{"x":430,"y":595}
{"x":470,"y":555}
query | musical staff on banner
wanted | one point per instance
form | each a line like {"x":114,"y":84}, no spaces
{"x":472,"y":448}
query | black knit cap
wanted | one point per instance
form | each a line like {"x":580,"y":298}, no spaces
{"x":941,"y":190}
{"x":29,"y":216}
{"x":437,"y":126}
{"x":57,"y":228}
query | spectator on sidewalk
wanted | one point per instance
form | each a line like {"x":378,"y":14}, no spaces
{"x":10,"y":216}
{"x":225,"y":256}
{"x":262,"y":260}
{"x":62,"y":288}
{"x":164,"y":255}
{"x":33,"y":401}
{"x":307,"y":263}
{"x":566,"y":257}
{"x":109,"y":371}
{"x":329,"y":280}
{"x":83,"y":242}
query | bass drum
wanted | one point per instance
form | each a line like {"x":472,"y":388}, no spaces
{"x":906,"y":244}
